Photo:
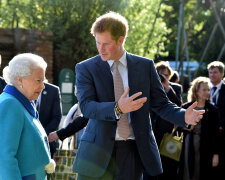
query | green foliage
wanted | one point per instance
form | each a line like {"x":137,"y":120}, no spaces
{"x":141,"y":15}
{"x":199,"y":33}
{"x":70,"y":22}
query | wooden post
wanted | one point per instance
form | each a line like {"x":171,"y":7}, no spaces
{"x":178,"y":31}
{"x":221,"y":52}
{"x":212,"y":34}
{"x":17,"y":37}
{"x":218,"y":18}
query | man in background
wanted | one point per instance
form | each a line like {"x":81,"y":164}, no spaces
{"x":217,"y":96}
{"x":2,"y":81}
{"x":161,"y":126}
{"x":49,"y":107}
{"x":2,"y":84}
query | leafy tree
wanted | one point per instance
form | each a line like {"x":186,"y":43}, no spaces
{"x":69,"y":21}
{"x":152,"y":23}
{"x":199,"y":34}
{"x":141,"y":15}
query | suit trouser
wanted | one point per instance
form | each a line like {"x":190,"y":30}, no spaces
{"x":124,"y":164}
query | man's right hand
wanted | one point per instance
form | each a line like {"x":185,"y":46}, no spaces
{"x":128,"y":104}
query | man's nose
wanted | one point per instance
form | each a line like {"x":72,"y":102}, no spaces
{"x":101,"y":47}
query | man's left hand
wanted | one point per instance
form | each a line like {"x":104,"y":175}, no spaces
{"x":192,"y":116}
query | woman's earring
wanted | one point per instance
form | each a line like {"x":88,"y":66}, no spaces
{"x":21,"y":86}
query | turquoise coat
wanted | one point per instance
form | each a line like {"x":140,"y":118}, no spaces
{"x":24,"y":149}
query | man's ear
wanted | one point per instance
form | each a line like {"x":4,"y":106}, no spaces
{"x":121,"y":40}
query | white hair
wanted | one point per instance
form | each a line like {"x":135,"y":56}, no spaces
{"x":22,"y":65}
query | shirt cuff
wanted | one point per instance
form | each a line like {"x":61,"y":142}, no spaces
{"x":117,"y":115}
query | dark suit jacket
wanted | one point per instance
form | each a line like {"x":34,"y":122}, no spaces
{"x":95,"y":93}
{"x":2,"y":84}
{"x":221,"y":108}
{"x":50,"y":112}
{"x":79,"y":123}
{"x":221,"y":105}
{"x":175,"y":93}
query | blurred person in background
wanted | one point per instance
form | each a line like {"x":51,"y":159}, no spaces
{"x":175,"y":78}
{"x":2,"y":81}
{"x":174,"y":94}
{"x":49,"y":107}
{"x":73,"y":123}
{"x":217,"y":96}
{"x":200,"y":152}
{"x":74,"y":126}
{"x":2,"y":84}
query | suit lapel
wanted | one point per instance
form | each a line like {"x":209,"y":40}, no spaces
{"x":221,"y":94}
{"x":133,"y":74}
{"x":105,"y":75}
{"x":43,"y":99}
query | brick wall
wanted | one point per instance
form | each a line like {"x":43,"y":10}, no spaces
{"x":15,"y":41}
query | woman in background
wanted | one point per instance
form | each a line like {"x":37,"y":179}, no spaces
{"x":201,"y":142}
{"x":24,"y":152}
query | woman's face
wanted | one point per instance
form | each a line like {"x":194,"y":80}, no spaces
{"x":203,"y":92}
{"x":32,"y":86}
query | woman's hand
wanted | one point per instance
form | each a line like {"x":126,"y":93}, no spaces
{"x":215,"y":160}
{"x":192,"y":116}
{"x":50,"y":167}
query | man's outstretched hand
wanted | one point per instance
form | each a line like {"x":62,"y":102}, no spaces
{"x":129,"y":104}
{"x":192,"y":116}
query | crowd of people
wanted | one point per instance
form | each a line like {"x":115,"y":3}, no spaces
{"x":126,"y":105}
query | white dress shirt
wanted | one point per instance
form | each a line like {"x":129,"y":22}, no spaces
{"x":124,"y":75}
{"x":216,"y":93}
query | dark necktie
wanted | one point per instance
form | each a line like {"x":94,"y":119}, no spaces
{"x":213,"y":94}
{"x":123,"y":123}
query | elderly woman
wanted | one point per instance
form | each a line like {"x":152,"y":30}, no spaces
{"x":24,"y":152}
{"x":201,"y":142}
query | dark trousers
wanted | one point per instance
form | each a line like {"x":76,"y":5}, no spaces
{"x":52,"y":149}
{"x":219,"y":171}
{"x":147,"y":177}
{"x":170,"y":168}
{"x":221,"y":167}
{"x":125,"y":163}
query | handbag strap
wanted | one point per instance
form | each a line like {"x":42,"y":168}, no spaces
{"x":174,"y":130}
